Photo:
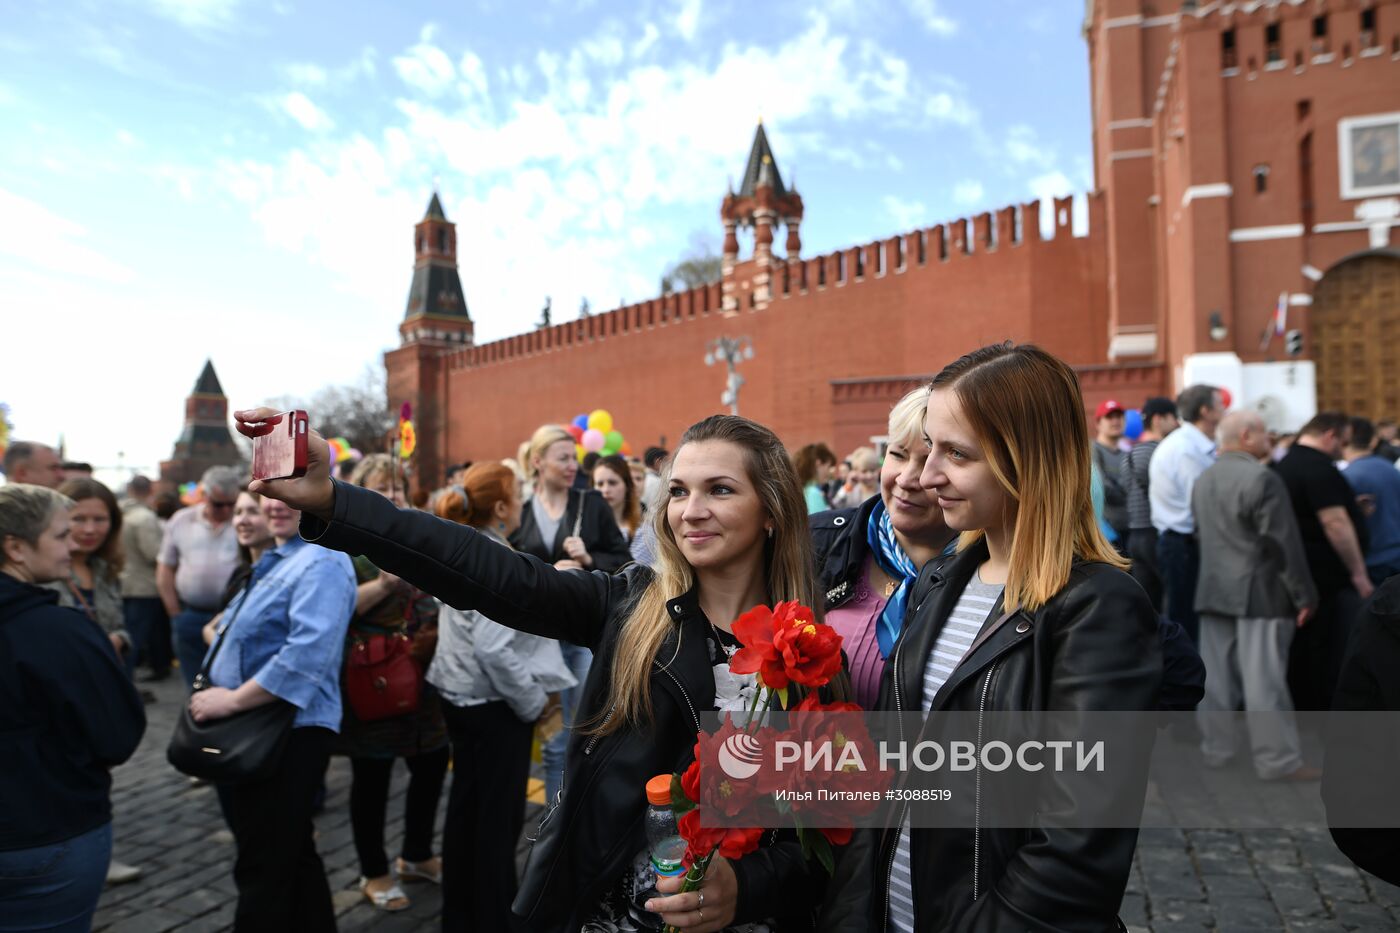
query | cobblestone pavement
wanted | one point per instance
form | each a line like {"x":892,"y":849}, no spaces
{"x":1194,"y":879}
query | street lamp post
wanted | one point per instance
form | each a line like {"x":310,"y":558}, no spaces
{"x":731,"y":351}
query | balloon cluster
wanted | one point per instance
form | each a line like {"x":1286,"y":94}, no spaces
{"x":342,"y":451}
{"x":595,"y":433}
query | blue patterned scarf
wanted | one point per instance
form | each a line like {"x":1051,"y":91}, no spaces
{"x":879,"y":534}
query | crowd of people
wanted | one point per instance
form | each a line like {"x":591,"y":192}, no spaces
{"x":586,"y":606}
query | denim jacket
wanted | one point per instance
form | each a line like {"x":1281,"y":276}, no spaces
{"x":289,"y":630}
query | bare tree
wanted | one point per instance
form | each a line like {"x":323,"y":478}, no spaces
{"x":701,"y":265}
{"x":358,"y":412}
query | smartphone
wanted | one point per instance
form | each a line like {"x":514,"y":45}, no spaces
{"x":281,"y":452}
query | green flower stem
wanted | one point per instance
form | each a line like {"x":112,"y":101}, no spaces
{"x":693,"y":877}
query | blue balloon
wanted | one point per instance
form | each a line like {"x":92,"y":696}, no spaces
{"x":581,"y":421}
{"x":1132,"y":424}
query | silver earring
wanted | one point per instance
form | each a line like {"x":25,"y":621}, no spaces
{"x":770,"y":534}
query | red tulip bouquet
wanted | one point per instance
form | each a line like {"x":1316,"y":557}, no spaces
{"x":784,"y":645}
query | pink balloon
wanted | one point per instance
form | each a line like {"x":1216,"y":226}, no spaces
{"x":593,"y":440}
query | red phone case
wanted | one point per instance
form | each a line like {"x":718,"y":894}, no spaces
{"x":281,"y":453}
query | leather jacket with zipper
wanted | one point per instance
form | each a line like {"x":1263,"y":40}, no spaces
{"x":593,"y":831}
{"x":838,"y":539}
{"x":1093,"y":647}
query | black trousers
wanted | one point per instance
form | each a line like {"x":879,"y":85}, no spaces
{"x":369,"y":802}
{"x":1179,"y":560}
{"x":281,"y":881}
{"x":1318,"y":649}
{"x":1142,"y":551}
{"x":485,"y":813}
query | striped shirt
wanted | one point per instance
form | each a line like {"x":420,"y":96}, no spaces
{"x":973,"y":609}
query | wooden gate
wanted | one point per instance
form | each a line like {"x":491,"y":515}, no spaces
{"x":1356,"y":338}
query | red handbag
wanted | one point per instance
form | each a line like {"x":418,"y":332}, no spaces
{"x":382,"y":680}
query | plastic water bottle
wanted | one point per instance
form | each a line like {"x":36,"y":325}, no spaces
{"x":665,"y":852}
{"x":664,"y":840}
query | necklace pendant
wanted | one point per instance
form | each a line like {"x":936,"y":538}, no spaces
{"x":890,"y":587}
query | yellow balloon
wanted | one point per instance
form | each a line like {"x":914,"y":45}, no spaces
{"x":600,"y":420}
{"x":578,"y":449}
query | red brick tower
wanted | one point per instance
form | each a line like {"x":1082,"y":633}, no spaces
{"x":205,"y":440}
{"x":435,"y":323}
{"x":761,"y":203}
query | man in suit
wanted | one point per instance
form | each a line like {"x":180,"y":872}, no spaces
{"x":1254,"y":591}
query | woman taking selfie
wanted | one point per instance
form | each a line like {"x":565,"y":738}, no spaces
{"x":869,"y":556}
{"x":496,"y":683}
{"x":733,"y":535}
{"x":572,"y":529}
{"x":68,"y":714}
{"x":1036,"y":612}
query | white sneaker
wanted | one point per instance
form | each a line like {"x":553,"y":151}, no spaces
{"x":122,"y":873}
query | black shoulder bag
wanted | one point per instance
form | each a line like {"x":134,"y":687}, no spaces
{"x":243,"y":747}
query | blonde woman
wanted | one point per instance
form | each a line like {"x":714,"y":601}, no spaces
{"x":733,"y":534}
{"x":573,"y":529}
{"x":1036,"y":612}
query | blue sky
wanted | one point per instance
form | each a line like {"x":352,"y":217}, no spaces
{"x":192,"y":178}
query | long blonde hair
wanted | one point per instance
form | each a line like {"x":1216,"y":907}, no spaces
{"x":1028,"y":414}
{"x":787,"y":555}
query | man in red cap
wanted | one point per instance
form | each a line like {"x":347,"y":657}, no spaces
{"x":1108,"y":459}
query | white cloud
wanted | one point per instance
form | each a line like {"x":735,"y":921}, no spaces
{"x":304,"y":73}
{"x":1024,"y":148}
{"x":301,"y":109}
{"x":551,"y":170}
{"x":948,"y":108}
{"x":41,"y":239}
{"x":649,"y":36}
{"x":968,"y":193}
{"x":199,"y":15}
{"x":928,"y":15}
{"x":907,"y":215}
{"x":126,"y":138}
{"x":688,"y":19}
{"x":425,"y":67}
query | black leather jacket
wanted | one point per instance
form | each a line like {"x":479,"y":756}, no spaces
{"x":838,"y":539}
{"x":1092,"y":647}
{"x":597,"y":528}
{"x":595,"y":830}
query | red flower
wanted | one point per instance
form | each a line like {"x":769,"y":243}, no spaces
{"x":836,"y":835}
{"x":733,"y":843}
{"x":754,"y":629}
{"x":811,"y":651}
{"x":786,"y":644}
{"x":690,"y":781}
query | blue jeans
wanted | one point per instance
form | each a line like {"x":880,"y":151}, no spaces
{"x":552,"y":754}
{"x":143,"y":615}
{"x":187,"y":633}
{"x":55,"y":887}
